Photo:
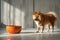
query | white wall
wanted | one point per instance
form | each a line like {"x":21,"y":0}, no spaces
{"x":21,"y":11}
{"x":17,"y":12}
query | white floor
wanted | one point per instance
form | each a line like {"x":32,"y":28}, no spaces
{"x":29,"y":34}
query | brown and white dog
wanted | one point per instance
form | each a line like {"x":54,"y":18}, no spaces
{"x":42,"y":19}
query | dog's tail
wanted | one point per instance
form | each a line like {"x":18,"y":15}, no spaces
{"x":54,"y":15}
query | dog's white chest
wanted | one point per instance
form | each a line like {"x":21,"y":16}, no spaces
{"x":37,"y":23}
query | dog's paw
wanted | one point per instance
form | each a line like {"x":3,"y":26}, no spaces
{"x":37,"y":31}
{"x":42,"y":32}
{"x":52,"y":31}
{"x":48,"y":31}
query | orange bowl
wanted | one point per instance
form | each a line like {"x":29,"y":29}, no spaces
{"x":12,"y":29}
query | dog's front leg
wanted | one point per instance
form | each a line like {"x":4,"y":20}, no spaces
{"x":38,"y":28}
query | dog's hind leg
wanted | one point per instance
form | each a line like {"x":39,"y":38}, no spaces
{"x":52,"y":27}
{"x":42,"y":28}
{"x":48,"y":27}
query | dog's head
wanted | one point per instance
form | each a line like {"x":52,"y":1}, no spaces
{"x":36,"y":16}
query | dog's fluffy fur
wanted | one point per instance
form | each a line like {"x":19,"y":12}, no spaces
{"x":43,"y":19}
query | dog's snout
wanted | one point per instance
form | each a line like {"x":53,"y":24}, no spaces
{"x":37,"y":18}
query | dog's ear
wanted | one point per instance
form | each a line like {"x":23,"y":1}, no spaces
{"x":40,"y":12}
